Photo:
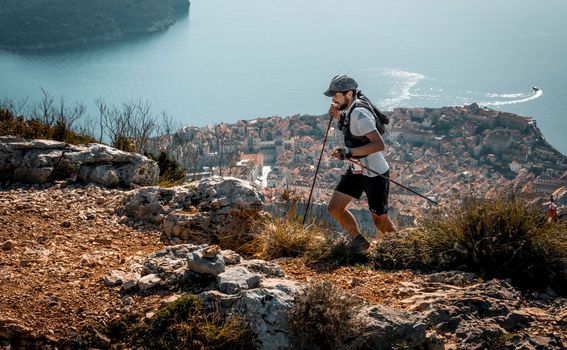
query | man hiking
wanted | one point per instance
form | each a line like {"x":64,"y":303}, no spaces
{"x":364,"y":143}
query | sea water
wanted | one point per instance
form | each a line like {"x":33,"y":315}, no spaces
{"x":243,"y":59}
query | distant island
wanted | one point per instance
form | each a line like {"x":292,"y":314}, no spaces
{"x":37,"y":24}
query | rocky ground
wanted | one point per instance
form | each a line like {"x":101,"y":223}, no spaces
{"x":446,"y":297}
{"x":59,"y":241}
{"x":57,"y":244}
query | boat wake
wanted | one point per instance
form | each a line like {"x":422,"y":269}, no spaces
{"x":510,"y":99}
{"x":405,"y":89}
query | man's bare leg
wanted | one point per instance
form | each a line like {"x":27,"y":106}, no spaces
{"x":383,"y":224}
{"x":337,"y":208}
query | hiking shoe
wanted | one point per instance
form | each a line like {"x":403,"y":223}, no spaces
{"x":359,"y":244}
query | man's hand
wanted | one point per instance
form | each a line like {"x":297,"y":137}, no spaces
{"x":342,"y":153}
{"x":334,"y":111}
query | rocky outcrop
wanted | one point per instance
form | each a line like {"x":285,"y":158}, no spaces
{"x":234,"y":286}
{"x":213,"y":210}
{"x":34,"y":24}
{"x":384,"y":328}
{"x":478,"y":315}
{"x":258,"y":291}
{"x":41,"y":161}
{"x":265,"y":309}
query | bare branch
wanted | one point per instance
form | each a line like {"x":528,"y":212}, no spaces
{"x":15,"y":107}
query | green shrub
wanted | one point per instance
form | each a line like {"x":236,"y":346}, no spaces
{"x":170,"y":172}
{"x":184,"y":324}
{"x":323,"y":317}
{"x":500,"y":237}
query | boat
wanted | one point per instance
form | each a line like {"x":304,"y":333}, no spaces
{"x":535,"y":88}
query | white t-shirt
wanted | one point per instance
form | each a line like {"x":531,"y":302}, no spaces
{"x":361,"y":123}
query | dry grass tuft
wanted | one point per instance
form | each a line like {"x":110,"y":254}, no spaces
{"x":316,"y":242}
{"x":501,"y":237}
{"x":284,"y":237}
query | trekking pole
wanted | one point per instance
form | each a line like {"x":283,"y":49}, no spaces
{"x":317,"y":170}
{"x":387,"y":178}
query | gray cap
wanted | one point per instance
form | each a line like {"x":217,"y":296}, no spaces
{"x":341,"y":83}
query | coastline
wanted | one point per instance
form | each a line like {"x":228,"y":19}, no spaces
{"x":157,"y":27}
{"x":114,"y":30}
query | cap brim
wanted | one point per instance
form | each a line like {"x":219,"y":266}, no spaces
{"x":330,"y":93}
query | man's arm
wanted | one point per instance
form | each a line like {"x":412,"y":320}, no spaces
{"x":376,"y":145}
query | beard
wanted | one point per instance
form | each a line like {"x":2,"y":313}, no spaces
{"x":343,"y":106}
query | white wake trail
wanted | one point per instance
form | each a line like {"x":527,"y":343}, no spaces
{"x":523,"y":98}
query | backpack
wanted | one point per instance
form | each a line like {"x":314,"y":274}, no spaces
{"x":381,"y":119}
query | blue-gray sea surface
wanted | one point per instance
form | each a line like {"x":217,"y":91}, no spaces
{"x":242,"y":59}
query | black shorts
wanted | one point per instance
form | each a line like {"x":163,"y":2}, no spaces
{"x":376,"y":188}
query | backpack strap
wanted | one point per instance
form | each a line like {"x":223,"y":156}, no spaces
{"x":351,"y":141}
{"x":380,"y":118}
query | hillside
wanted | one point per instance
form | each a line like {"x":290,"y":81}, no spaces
{"x":64,"y":245}
{"x":36,"y":24}
{"x":87,"y":265}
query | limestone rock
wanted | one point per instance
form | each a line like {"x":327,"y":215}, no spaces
{"x":474,"y":315}
{"x":516,"y":319}
{"x":170,"y":263}
{"x":127,"y":300}
{"x":114,"y":278}
{"x":266,"y":268}
{"x":384,"y":328}
{"x":285,"y":285}
{"x":88,"y":260}
{"x":143,"y":204}
{"x":214,"y":210}
{"x":231,"y":257}
{"x":455,"y":278}
{"x":171,"y":299}
{"x":265,"y":309}
{"x":41,"y":161}
{"x":212,"y":266}
{"x":130,"y":280}
{"x":447,"y":305}
{"x":262,"y":296}
{"x":90,"y":215}
{"x":235,"y":279}
{"x":148,"y":282}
